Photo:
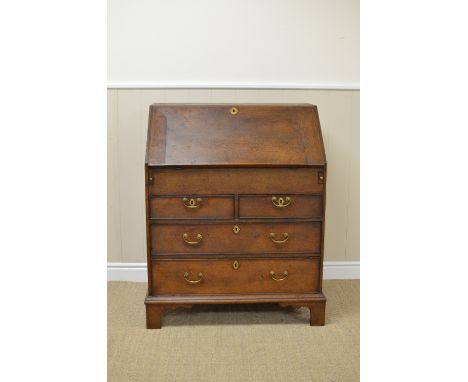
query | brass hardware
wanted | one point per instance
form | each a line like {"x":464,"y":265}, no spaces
{"x":235,"y":265}
{"x":285,"y":275}
{"x":233,"y":111}
{"x":192,"y":203}
{"x":199,"y":239}
{"x":150,"y":179}
{"x":280,"y":202}
{"x":236,"y":229}
{"x":200,"y":277}
{"x":320,"y":178}
{"x":285,"y":235}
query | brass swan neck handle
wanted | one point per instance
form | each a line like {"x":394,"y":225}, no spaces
{"x":274,"y":278}
{"x":285,"y":238}
{"x":199,"y":275}
{"x":185,"y":237}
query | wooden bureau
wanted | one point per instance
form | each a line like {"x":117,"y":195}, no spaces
{"x":235,"y":207}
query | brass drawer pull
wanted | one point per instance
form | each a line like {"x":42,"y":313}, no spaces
{"x":285,"y":235}
{"x":200,"y":277}
{"x":192,"y":203}
{"x":273,"y":277}
{"x":281,"y":202}
{"x":199,"y":239}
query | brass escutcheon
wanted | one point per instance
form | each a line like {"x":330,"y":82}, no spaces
{"x":235,"y":265}
{"x":281,"y":202}
{"x":233,"y":110}
{"x":236,"y":229}
{"x":192,"y":203}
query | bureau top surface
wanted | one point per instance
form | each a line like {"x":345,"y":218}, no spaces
{"x":234,"y":135}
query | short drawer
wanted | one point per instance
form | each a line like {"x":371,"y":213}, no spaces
{"x":192,"y":207}
{"x":236,"y":276}
{"x":280,"y":206}
{"x":236,"y":238}
{"x":226,"y":181}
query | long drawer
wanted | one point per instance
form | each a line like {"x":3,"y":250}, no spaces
{"x":236,"y":276}
{"x":235,"y":181}
{"x":236,"y":238}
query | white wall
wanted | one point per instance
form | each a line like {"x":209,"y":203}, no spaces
{"x":233,"y":43}
{"x":279,"y":44}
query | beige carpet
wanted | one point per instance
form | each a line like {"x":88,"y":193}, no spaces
{"x":234,"y":343}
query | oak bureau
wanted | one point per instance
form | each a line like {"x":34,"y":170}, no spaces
{"x":235,"y":207}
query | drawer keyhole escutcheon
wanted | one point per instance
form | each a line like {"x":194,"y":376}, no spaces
{"x":235,"y":265}
{"x":233,"y":110}
{"x":192,"y":203}
{"x":281,"y":202}
{"x":236,"y":229}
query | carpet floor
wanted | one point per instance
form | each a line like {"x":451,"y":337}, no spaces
{"x":234,"y":343}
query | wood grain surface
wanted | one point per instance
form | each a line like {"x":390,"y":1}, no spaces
{"x":252,"y":276}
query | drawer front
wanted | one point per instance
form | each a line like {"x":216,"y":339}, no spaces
{"x":280,"y":206}
{"x":192,"y":207}
{"x":224,"y":238}
{"x":235,"y":181}
{"x":247,"y":276}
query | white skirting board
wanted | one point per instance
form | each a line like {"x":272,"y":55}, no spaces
{"x":136,"y":272}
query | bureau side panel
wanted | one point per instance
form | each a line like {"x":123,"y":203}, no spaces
{"x":148,"y":231}
{"x":324,"y":203}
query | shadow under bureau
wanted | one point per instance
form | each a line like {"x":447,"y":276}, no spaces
{"x":235,"y":207}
